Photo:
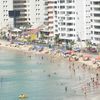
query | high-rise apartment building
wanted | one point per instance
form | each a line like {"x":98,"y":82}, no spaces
{"x":32,"y":12}
{"x":21,"y":5}
{"x":65,"y":19}
{"x":71,"y":19}
{"x":46,"y":13}
{"x":82,"y":19}
{"x":95,"y":21}
{"x":51,"y":16}
{"x":5,"y":21}
{"x":87,"y":17}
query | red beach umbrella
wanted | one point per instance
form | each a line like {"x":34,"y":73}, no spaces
{"x":71,"y":59}
{"x":70,"y":52}
{"x":87,"y":56}
{"x":97,"y":58}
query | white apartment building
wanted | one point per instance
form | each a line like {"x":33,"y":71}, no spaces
{"x":71,"y":19}
{"x":46,"y":13}
{"x":51,"y":16}
{"x":21,"y":5}
{"x":95,"y":21}
{"x":32,"y":12}
{"x":65,"y":19}
{"x":82,"y":18}
{"x":37,"y":12}
{"x":5,"y":21}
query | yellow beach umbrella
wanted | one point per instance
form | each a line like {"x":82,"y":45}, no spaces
{"x":33,"y":37}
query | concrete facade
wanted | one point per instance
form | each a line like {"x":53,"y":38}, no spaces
{"x":95,"y":21}
{"x":32,"y":12}
{"x":70,"y":20}
{"x":5,"y":21}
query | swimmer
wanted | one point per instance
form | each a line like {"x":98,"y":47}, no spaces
{"x":55,"y":73}
{"x":79,"y":78}
{"x":29,"y":56}
{"x":85,"y":93}
{"x":61,"y":83}
{"x":97,"y":76}
{"x":42,"y":57}
{"x":66,"y":88}
{"x":43,"y":70}
{"x":49,"y":75}
{"x":73,"y":64}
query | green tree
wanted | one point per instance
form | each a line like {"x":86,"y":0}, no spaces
{"x":29,"y":39}
{"x":98,"y":48}
{"x":71,"y":44}
{"x":56,"y":38}
{"x":42,"y":36}
{"x":88,"y":44}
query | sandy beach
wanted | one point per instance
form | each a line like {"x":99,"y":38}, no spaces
{"x":84,"y":72}
{"x":46,"y":51}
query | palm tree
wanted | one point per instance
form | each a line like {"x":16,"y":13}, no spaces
{"x":88,"y":44}
{"x":71,"y":44}
{"x":42,"y":36}
{"x":98,"y":48}
{"x":56,"y":38}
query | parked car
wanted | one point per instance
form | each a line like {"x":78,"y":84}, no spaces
{"x":93,"y":50}
{"x":77,"y":49}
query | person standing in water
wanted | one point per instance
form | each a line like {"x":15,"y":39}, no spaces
{"x":42,"y":57}
{"x":66,"y":88}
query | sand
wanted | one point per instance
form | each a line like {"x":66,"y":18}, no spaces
{"x":46,"y":51}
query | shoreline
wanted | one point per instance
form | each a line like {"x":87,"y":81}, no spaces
{"x":76,"y":70}
{"x":46,"y":52}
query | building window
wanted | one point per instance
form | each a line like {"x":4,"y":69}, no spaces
{"x":62,"y":23}
{"x":62,"y":7}
{"x":70,"y":35}
{"x":62,"y":1}
{"x":63,"y":34}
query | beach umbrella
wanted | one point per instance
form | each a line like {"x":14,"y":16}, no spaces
{"x":40,"y":48}
{"x":24,"y":34}
{"x":98,"y":68}
{"x":97,"y":58}
{"x":33,"y":37}
{"x":63,"y":51}
{"x":71,"y":59}
{"x":87,"y":56}
{"x":93,"y":60}
{"x":70,"y":52}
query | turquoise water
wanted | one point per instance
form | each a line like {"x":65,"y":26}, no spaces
{"x":22,"y":74}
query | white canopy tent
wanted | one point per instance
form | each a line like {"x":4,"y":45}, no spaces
{"x":16,"y":30}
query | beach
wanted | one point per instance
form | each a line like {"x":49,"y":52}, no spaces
{"x":46,"y":51}
{"x":69,"y":79}
{"x":53,"y":55}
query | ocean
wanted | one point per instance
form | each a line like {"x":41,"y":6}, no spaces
{"x":41,"y":78}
